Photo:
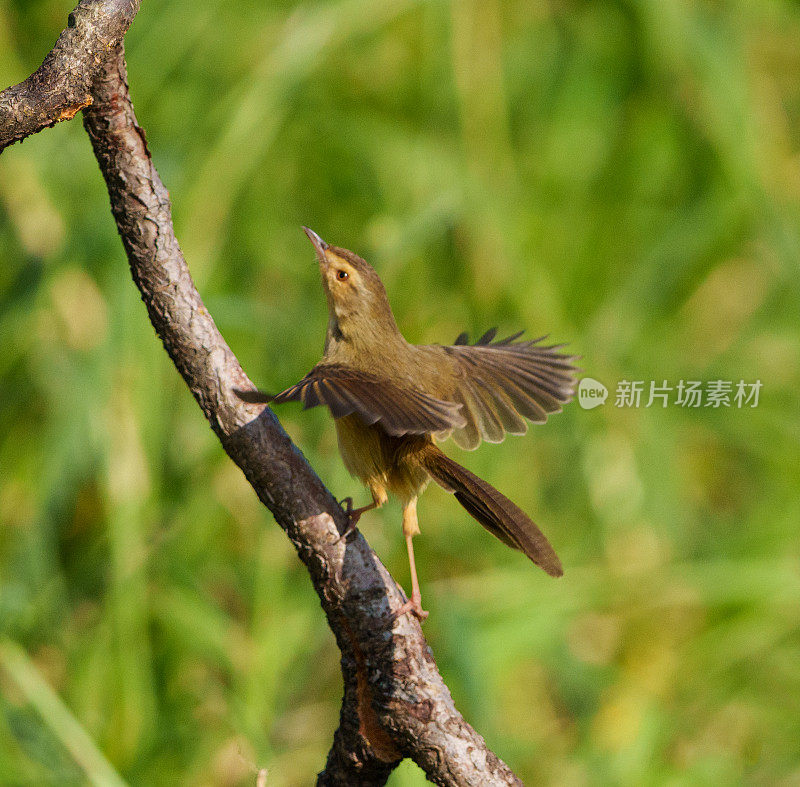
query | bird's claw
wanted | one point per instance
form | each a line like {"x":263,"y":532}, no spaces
{"x":352,"y":517}
{"x":414,"y":606}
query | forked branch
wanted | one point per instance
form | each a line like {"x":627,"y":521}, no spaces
{"x":395,"y":702}
{"x":61,"y":86}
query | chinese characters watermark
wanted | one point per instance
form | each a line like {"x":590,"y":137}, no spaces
{"x":683,"y":393}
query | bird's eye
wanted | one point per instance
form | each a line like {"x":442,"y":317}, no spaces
{"x":342,"y":275}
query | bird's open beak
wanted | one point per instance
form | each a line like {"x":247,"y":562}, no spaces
{"x":319,"y":244}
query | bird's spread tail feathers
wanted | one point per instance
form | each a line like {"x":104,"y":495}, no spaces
{"x":493,"y":510}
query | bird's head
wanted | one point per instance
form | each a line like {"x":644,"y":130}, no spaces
{"x":357,"y":304}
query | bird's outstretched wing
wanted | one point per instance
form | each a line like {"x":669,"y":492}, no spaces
{"x":500,"y":384}
{"x":373,"y":399}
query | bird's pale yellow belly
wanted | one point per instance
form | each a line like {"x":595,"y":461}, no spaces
{"x":376,"y":459}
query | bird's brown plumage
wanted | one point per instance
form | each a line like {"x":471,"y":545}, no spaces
{"x":391,"y":399}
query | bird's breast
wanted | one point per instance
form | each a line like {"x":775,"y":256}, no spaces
{"x":362,"y":448}
{"x":377,"y":459}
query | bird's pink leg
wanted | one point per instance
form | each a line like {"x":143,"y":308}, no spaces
{"x":411,"y":529}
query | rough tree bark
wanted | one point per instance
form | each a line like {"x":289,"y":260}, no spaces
{"x":61,"y":86}
{"x":395,"y":703}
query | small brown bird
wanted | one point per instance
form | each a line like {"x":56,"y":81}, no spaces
{"x":392,"y":400}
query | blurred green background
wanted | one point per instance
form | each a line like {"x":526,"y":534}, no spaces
{"x":621,"y":174}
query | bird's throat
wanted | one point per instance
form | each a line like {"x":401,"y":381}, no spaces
{"x":363,"y":344}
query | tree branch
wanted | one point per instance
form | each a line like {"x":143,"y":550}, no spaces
{"x":395,"y":702}
{"x":62,"y":84}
